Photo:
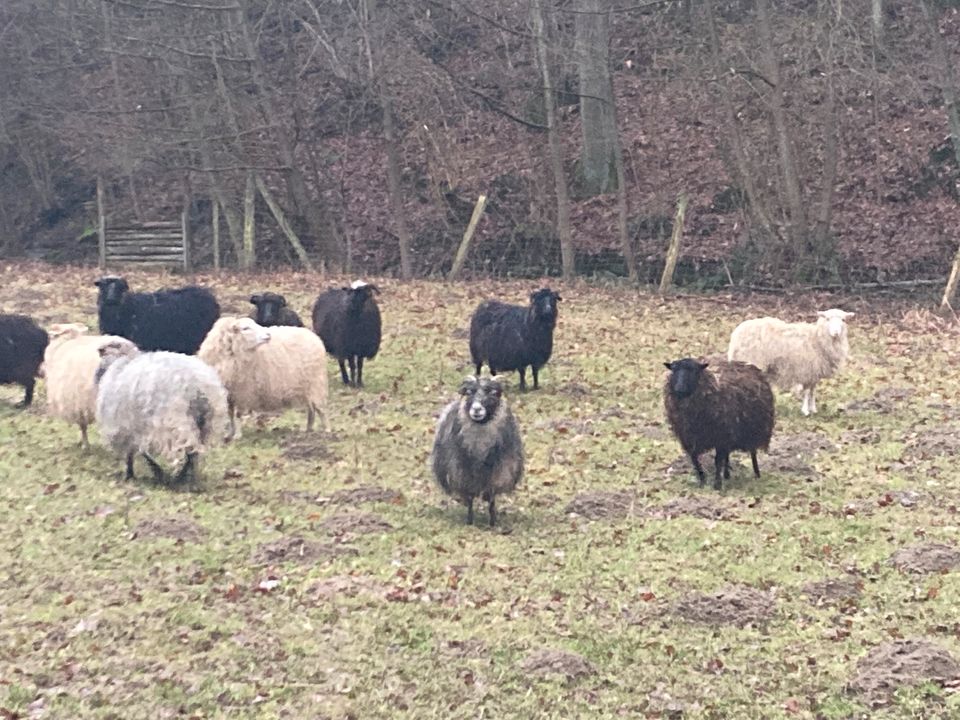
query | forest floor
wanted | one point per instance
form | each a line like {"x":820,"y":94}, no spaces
{"x":324,"y":575}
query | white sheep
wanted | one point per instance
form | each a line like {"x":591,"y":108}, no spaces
{"x":159,"y":404}
{"x":268,"y":369}
{"x":69,"y":365}
{"x":794,"y":354}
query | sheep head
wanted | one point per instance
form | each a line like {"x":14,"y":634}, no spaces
{"x":685,"y":376}
{"x":112,"y":289}
{"x":359,"y":293}
{"x":268,"y":307}
{"x":481,"y":399}
{"x":543,"y":304}
{"x":834,"y":319}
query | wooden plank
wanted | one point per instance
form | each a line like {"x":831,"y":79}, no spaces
{"x":168,"y":259}
{"x":142,"y":236}
{"x":146,"y":243}
{"x":101,"y":225}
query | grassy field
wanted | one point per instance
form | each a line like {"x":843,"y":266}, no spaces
{"x":324,"y":576}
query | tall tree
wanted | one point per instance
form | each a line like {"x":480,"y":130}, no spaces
{"x":597,"y":118}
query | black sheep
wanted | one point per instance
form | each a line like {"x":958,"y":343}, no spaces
{"x":22,"y":343}
{"x":511,"y":337}
{"x":477,"y":451}
{"x":726,"y":407}
{"x":175,"y":320}
{"x":271,"y":309}
{"x":348,"y":322}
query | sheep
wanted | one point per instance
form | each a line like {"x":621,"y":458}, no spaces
{"x":22,"y":343}
{"x":158,"y":403}
{"x":69,"y":364}
{"x":271,"y":309}
{"x":511,"y":337}
{"x":175,"y":320}
{"x":477,"y":450}
{"x":794,"y":354}
{"x":268,"y":369}
{"x":348,"y":322}
{"x":728,"y":407}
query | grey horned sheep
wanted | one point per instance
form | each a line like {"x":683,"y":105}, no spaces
{"x":271,"y":309}
{"x":721,"y":406}
{"x":159,"y":404}
{"x":477,"y":450}
{"x":348,"y":322}
{"x":794,"y":354}
{"x":511,"y":337}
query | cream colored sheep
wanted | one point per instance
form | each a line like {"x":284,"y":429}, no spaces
{"x":794,"y":354}
{"x":268,"y":369}
{"x":69,"y":365}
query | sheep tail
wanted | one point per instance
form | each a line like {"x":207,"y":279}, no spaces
{"x":201,"y":411}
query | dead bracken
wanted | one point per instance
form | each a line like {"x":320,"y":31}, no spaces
{"x":179,"y":529}
{"x":297,"y":549}
{"x":557,"y":662}
{"x":926,"y":558}
{"x":601,"y":504}
{"x":902,"y":663}
{"x":738,"y":605}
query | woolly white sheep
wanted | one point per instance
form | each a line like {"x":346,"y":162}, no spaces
{"x":268,"y":369}
{"x":69,"y":365}
{"x":159,"y":404}
{"x":794,"y":354}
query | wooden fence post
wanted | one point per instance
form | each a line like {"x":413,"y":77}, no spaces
{"x":674,"y":252}
{"x":216,"y":234}
{"x":185,"y":229}
{"x":101,"y":225}
{"x":461,"y":257}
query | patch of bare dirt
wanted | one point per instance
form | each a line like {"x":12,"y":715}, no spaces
{"x":694,"y":506}
{"x":364,"y":494}
{"x":575,"y":389}
{"x":557,"y":662}
{"x":738,"y":605}
{"x":345,"y":586}
{"x":355,"y":524}
{"x":833,"y":591}
{"x":933,"y":441}
{"x":294,"y":548}
{"x":600,"y":504}
{"x":792,"y":453}
{"x":902,"y":663}
{"x":884,"y":401}
{"x":308,"y":446}
{"x":863,"y":436}
{"x":926,"y":558}
{"x":566,"y":426}
{"x":179,"y":529}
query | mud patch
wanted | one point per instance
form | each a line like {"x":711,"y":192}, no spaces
{"x":464,"y":649}
{"x":737,"y":605}
{"x":299,"y":550}
{"x":601,"y":504}
{"x":903,"y":663}
{"x":308,"y":446}
{"x":833,"y":591}
{"x":883,"y":401}
{"x":694,"y":506}
{"x":566,"y":426}
{"x":926,"y":558}
{"x":365,"y":494}
{"x":355,"y":524}
{"x":557,"y":662}
{"x":793,"y":453}
{"x":931,"y":442}
{"x":576,"y":390}
{"x":345,"y":586}
{"x":178,"y":529}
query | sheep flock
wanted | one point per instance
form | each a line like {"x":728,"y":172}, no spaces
{"x":168,"y":377}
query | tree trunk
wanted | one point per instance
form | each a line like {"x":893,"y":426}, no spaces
{"x":597,"y":118}
{"x":281,"y":219}
{"x":553,"y":142}
{"x":822,"y":244}
{"x":797,"y":234}
{"x":876,"y":22}
{"x":249,"y":256}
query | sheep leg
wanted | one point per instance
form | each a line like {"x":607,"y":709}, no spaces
{"x":719,"y":462}
{"x":726,"y":467}
{"x":536,"y":377}
{"x":28,"y":394}
{"x":155,"y":467}
{"x":84,"y":441}
{"x":129,"y":474}
{"x":807,"y":394}
{"x":523,"y":377}
{"x":359,"y":370}
{"x":493,"y":510}
{"x":343,"y":371}
{"x":189,"y":469}
{"x":235,"y":432}
{"x":480,"y":367}
{"x":310,"y":416}
{"x":813,"y":400}
{"x":470,"y":511}
{"x":756,"y":465}
{"x":353,"y":369}
{"x":698,"y":467}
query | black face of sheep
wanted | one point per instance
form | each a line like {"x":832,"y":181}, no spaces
{"x":721,"y":406}
{"x":22,"y":344}
{"x":481,"y":399}
{"x":112,"y":289}
{"x":543,"y":303}
{"x":271,"y":309}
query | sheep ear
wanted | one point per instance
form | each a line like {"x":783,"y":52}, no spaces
{"x":254,"y":299}
{"x":374,"y":288}
{"x":668,"y":365}
{"x":848,"y":315}
{"x":704,"y":365}
{"x":556,"y":296}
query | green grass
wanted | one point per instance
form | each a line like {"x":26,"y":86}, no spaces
{"x":100,"y":617}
